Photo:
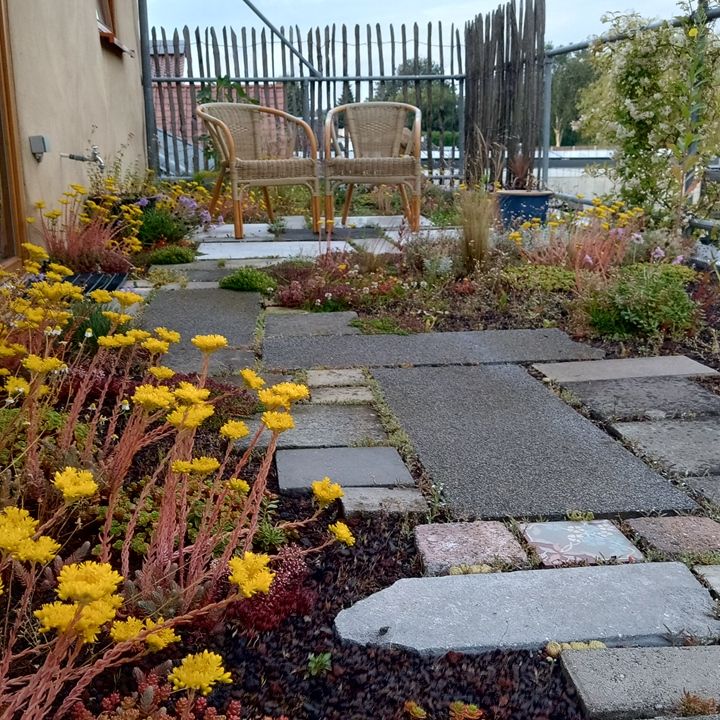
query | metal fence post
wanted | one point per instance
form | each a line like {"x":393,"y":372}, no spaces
{"x":546,"y":119}
{"x":150,"y":128}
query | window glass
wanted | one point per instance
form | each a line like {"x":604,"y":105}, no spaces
{"x":104,"y":15}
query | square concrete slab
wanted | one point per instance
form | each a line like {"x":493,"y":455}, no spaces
{"x":620,"y":605}
{"x":708,"y":486}
{"x":628,"y":683}
{"x":684,"y":447}
{"x":244,"y":249}
{"x":502,"y":444}
{"x":446,"y":545}
{"x":572,"y":543}
{"x":646,"y":398}
{"x":711,"y":575}
{"x":335,"y":378}
{"x":624,"y":368}
{"x":342,"y":395}
{"x":678,"y":536}
{"x":383,"y":500}
{"x":376,"y":246}
{"x":351,"y":467}
{"x":310,"y":324}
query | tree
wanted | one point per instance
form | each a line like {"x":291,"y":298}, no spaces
{"x":572,"y":74}
{"x":437,"y":98}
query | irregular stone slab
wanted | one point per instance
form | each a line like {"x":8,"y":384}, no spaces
{"x":335,"y":378}
{"x":678,"y":536}
{"x":646,"y":398}
{"x":377,"y":246}
{"x":382,"y":500}
{"x":351,"y":467}
{"x":325,"y":426}
{"x":306,"y":324}
{"x":572,"y":543}
{"x":342,"y":395}
{"x":685,"y":447}
{"x":640,"y":604}
{"x":233,"y":249}
{"x":448,"y":348}
{"x":620,"y":683}
{"x":708,"y":486}
{"x":205,"y":312}
{"x":624,"y":368}
{"x":446,"y":545}
{"x":503,"y":445}
{"x":711,"y":575}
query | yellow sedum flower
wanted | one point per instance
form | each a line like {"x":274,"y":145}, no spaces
{"x":199,"y":466}
{"x":42,"y":366}
{"x":191,"y":416}
{"x":251,"y":573}
{"x":124,"y":630}
{"x":209,"y":343}
{"x":75,"y":484}
{"x":326,"y":492}
{"x":42,"y":550}
{"x":126,"y":298}
{"x":167,"y":335}
{"x":87,"y":581}
{"x":60,"y":269}
{"x":199,"y":672}
{"x":16,"y":386}
{"x":277,"y":421}
{"x":16,"y":526}
{"x":234,"y":430}
{"x":137,"y":334}
{"x":83,"y":620}
{"x":36,"y":252}
{"x":155,"y":346}
{"x":154,"y":397}
{"x":294,"y":392}
{"x":272,"y":400}
{"x":117,"y":318}
{"x":239,"y":485}
{"x":162,"y":637}
{"x":189,"y":394}
{"x":341,"y":532}
{"x":101,"y":297}
{"x":161,"y":372}
{"x":251,"y":379}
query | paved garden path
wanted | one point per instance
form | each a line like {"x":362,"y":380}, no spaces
{"x":499,"y":444}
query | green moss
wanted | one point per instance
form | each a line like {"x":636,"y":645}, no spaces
{"x":248,"y":279}
{"x":171,"y":255}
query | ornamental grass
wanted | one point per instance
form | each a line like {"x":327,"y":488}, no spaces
{"x":75,"y":415}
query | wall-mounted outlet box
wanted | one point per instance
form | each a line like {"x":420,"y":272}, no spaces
{"x":39,"y":145}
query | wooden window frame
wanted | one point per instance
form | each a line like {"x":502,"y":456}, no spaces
{"x":13,"y":201}
{"x":108,"y":30}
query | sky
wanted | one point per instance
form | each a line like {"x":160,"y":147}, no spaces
{"x":568,"y":21}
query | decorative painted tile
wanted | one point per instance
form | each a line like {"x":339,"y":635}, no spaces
{"x":572,"y":543}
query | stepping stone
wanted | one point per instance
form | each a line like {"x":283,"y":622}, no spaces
{"x":708,"y":486}
{"x":620,"y":683}
{"x":383,"y":500}
{"x":640,"y":398}
{"x":334,"y":378}
{"x":641,"y":604}
{"x":205,"y":312}
{"x":342,"y":395}
{"x":572,"y":543}
{"x":684,"y":447}
{"x":663,"y":366}
{"x":678,"y":536}
{"x":231,"y":249}
{"x":446,"y":545}
{"x":329,"y":426}
{"x":711,"y":575}
{"x":503,"y":445}
{"x":449,"y":348}
{"x":351,"y":467}
{"x":305,"y":324}
{"x":376,"y":246}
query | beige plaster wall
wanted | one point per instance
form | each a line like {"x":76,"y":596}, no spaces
{"x":66,"y":82}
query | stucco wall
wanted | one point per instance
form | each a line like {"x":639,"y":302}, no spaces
{"x":66,"y":83}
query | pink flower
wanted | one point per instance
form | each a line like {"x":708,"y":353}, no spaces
{"x":679,"y":260}
{"x":657,"y":254}
{"x":588,"y":260}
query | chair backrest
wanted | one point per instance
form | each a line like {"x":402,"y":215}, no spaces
{"x":257,"y":132}
{"x":379,"y":129}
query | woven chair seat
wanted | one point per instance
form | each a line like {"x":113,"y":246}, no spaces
{"x":255,"y":170}
{"x":402,"y":167}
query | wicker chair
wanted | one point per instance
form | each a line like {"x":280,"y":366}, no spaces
{"x":256,"y":145}
{"x":385,"y":151}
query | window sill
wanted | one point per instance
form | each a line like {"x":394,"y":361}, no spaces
{"x":111,"y":43}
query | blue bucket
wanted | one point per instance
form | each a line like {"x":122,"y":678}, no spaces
{"x":519,"y":206}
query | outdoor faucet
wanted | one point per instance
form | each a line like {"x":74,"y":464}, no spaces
{"x":93,"y":157}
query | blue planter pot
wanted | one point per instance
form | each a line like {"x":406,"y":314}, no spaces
{"x":519,"y":206}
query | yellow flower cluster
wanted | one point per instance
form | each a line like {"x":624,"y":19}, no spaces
{"x":341,"y":532}
{"x":16,"y":386}
{"x":154,"y":397}
{"x":277,"y":422}
{"x":239,"y":485}
{"x":198,"y":466}
{"x":42,"y":366}
{"x":170,"y":336}
{"x":161,"y":372}
{"x":190,"y":417}
{"x":326,"y":492}
{"x":234,"y":430}
{"x":75,"y":484}
{"x":127,"y":630}
{"x":87,"y":581}
{"x":199,"y":672}
{"x":251,"y":379}
{"x":101,"y":297}
{"x":126,"y":298}
{"x":156,"y":347}
{"x":188,"y":394}
{"x":251,"y":573}
{"x":209,"y":343}
{"x":17,"y":537}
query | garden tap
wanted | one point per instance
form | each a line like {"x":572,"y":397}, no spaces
{"x":93,"y":157}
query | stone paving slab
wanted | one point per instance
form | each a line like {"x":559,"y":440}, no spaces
{"x":646,"y":398}
{"x":618,"y":369}
{"x":678,"y":536}
{"x":629,"y":683}
{"x":305,"y":324}
{"x":446,"y":545}
{"x":204,"y":312}
{"x":335,"y":378}
{"x":620,"y":605}
{"x":383,"y":500}
{"x":241,"y":249}
{"x":326,"y":426}
{"x":351,"y":467}
{"x":684,"y":447}
{"x":572,"y":543}
{"x":503,"y":445}
{"x":376,"y":246}
{"x":342,"y":395}
{"x":711,"y":575}
{"x":448,"y":348}
{"x":708,"y":486}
